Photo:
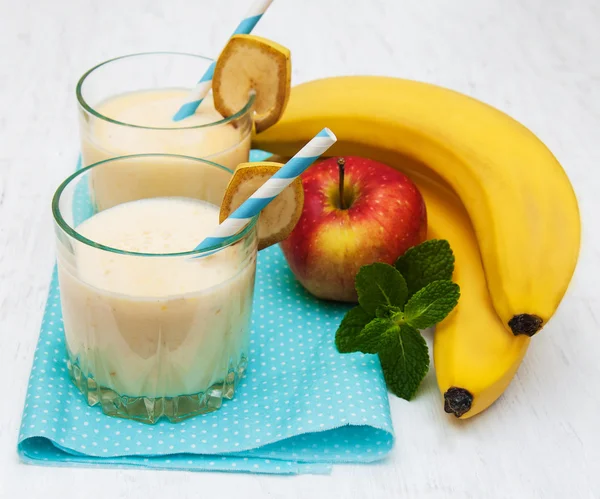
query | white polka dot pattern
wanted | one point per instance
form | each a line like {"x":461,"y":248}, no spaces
{"x":300,"y":408}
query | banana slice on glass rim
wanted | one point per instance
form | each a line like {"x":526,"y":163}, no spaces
{"x":251,"y":64}
{"x":277,"y":220}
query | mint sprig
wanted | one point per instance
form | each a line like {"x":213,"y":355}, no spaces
{"x":394,"y":303}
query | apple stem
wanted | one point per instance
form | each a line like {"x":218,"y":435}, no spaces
{"x":341,"y":163}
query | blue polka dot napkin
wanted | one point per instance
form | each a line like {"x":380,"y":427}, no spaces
{"x":300,"y":408}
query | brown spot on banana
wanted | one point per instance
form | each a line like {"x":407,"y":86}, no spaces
{"x":528,"y":324}
{"x":457,"y":401}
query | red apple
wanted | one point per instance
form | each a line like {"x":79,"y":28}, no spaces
{"x":381,"y":216}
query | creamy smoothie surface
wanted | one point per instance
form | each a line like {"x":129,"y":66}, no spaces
{"x":156,"y":326}
{"x":153,"y":111}
{"x":144,"y":125}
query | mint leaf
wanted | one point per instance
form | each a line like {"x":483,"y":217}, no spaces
{"x":405,"y":362}
{"x":431,"y":304}
{"x":352,"y":324}
{"x":430,"y":261}
{"x":376,"y":335}
{"x":380,"y":284}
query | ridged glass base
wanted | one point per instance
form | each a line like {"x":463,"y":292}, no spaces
{"x":149,"y":410}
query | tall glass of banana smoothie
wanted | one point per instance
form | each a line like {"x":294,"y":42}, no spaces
{"x":126,"y":106}
{"x":153,"y":328}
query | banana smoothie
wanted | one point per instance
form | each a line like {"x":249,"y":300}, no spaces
{"x":155,"y":325}
{"x":142,"y":122}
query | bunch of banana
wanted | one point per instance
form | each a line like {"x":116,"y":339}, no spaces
{"x":492,"y":189}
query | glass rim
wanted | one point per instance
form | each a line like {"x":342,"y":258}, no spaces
{"x":71,"y":231}
{"x":83,"y":103}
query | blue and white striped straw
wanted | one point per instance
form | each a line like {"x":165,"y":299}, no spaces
{"x":271,"y":188}
{"x":198,"y":94}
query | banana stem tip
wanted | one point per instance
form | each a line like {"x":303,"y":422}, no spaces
{"x":457,"y":401}
{"x":528,"y":324}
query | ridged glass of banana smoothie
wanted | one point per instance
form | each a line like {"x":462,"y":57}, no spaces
{"x":153,"y":327}
{"x":126,"y":106}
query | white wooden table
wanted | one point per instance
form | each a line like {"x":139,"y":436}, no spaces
{"x":538,"y":60}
